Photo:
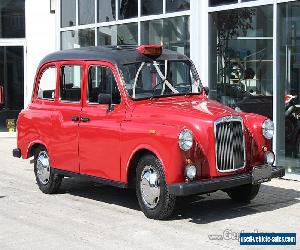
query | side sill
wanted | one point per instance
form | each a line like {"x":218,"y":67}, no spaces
{"x":91,"y":178}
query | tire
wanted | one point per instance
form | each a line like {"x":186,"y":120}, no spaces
{"x":47,"y":181}
{"x":154,"y":199}
{"x":244,"y":193}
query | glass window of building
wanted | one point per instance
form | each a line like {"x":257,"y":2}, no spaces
{"x":12,"y":16}
{"x":107,"y":35}
{"x":106,"y":10}
{"x":86,"y":37}
{"x":151,"y":7}
{"x":128,"y":9}
{"x":127,"y":34}
{"x":86,"y":10}
{"x":173,"y":33}
{"x":69,"y":39}
{"x":68,"y":13}
{"x":288,"y":86}
{"x":241,"y":59}
{"x":177,"y":5}
{"x":213,"y":3}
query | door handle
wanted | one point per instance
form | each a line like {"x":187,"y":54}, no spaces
{"x":85,"y":119}
{"x":75,"y":118}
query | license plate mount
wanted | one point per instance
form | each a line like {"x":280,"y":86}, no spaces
{"x":261,"y":174}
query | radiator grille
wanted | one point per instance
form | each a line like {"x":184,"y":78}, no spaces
{"x":230,"y":144}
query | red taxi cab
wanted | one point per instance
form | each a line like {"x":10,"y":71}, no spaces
{"x":139,"y":117}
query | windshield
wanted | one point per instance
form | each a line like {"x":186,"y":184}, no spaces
{"x":160,"y":78}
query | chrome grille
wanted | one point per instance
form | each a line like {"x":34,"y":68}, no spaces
{"x":230,"y":143}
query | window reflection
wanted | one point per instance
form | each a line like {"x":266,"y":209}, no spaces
{"x":127,"y":34}
{"x":68,"y":13}
{"x":128,"y":9}
{"x":242,"y":59}
{"x":177,"y":5}
{"x":151,"y":7}
{"x":107,"y":35}
{"x":106,"y":10}
{"x":86,"y":11}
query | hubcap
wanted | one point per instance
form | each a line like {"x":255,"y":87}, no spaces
{"x":149,"y":185}
{"x":43,"y":167}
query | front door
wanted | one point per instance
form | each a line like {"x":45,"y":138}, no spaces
{"x":11,"y":86}
{"x":99,"y":129}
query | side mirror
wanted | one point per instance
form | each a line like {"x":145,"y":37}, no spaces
{"x":104,"y":99}
{"x":206,"y":90}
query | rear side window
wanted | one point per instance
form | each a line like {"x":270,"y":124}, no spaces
{"x":102,"y":81}
{"x":47,"y":84}
{"x":70,"y":83}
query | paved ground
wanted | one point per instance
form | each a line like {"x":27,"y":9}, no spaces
{"x":88,"y":216}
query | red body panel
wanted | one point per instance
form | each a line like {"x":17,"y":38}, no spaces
{"x":105,"y":146}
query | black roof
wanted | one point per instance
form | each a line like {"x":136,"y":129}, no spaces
{"x":116,"y":54}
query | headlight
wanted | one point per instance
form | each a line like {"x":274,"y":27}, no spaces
{"x":269,"y":158}
{"x":268,"y":129}
{"x":190,"y":172}
{"x":185,"y":139}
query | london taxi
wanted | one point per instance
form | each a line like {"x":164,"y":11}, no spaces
{"x":139,"y":117}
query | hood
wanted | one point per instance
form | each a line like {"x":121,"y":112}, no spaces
{"x":182,"y":110}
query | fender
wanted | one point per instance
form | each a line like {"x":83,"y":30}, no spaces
{"x":30,"y":146}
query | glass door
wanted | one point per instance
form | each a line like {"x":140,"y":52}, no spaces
{"x":11,"y":86}
{"x":288,"y":102}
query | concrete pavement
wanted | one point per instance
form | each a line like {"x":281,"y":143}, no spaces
{"x":90,"y":216}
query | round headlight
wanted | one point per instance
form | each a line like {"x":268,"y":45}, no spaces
{"x":185,"y":139}
{"x":268,"y":129}
{"x":190,"y":172}
{"x":269,"y":158}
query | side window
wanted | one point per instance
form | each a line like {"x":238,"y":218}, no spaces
{"x":102,"y":81}
{"x":47,"y":84}
{"x":70,"y":83}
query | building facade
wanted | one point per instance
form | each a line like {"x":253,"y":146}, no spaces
{"x":246,"y":51}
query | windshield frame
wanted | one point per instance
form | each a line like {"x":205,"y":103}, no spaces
{"x":193,"y":70}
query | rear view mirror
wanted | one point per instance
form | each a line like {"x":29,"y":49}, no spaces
{"x":104,"y":99}
{"x":1,"y":95}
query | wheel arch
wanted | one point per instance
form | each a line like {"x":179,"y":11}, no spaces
{"x":137,"y":154}
{"x":33,"y":146}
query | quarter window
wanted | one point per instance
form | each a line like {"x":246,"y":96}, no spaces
{"x":102,"y":81}
{"x":47,"y":84}
{"x":70,"y":83}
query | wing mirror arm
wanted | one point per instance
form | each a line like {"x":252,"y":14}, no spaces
{"x":206,"y":90}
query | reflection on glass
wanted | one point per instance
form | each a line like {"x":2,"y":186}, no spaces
{"x":69,"y":39}
{"x":12,"y":19}
{"x":151,"y":7}
{"x":242,"y":68}
{"x":177,"y":5}
{"x":127,"y":34}
{"x":106,"y":10}
{"x":86,"y":11}
{"x":68,"y":13}
{"x":128,"y":9}
{"x":221,"y":2}
{"x":288,"y":108}
{"x":173,"y":33}
{"x":107,"y":35}
{"x":86,"y":37}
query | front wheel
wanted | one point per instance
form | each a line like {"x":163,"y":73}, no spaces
{"x":152,"y":191}
{"x":244,"y":193}
{"x":47,"y":181}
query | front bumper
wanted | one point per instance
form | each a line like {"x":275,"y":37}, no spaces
{"x":219,"y":183}
{"x":16,"y":152}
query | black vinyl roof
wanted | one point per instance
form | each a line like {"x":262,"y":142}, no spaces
{"x":116,"y":54}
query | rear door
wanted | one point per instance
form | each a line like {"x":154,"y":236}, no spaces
{"x":99,"y":129}
{"x":66,"y":118}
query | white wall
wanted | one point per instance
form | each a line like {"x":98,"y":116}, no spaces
{"x":40,"y":38}
{"x":199,"y":37}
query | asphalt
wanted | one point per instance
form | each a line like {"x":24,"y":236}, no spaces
{"x":84,"y":215}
